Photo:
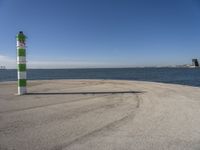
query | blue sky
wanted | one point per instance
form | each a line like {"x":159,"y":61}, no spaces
{"x":101,"y":33}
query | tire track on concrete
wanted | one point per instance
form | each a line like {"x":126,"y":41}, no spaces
{"x":77,"y":112}
{"x":48,"y":105}
{"x":111,"y":126}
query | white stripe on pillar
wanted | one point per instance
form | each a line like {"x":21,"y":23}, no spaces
{"x":20,"y":44}
{"x":21,"y":59}
{"x":21,"y":75}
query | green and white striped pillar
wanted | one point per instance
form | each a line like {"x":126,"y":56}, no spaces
{"x":21,"y":63}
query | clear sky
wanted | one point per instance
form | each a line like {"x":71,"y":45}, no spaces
{"x":101,"y":33}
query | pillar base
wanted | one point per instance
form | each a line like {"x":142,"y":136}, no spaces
{"x":22,"y":90}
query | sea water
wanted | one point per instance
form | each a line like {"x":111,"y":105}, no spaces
{"x":184,"y":76}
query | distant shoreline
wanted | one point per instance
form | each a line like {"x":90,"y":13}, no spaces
{"x":178,"y":67}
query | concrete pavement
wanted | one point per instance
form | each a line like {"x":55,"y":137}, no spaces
{"x":99,"y":115}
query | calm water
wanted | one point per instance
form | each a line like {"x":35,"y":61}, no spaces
{"x":185,"y":76}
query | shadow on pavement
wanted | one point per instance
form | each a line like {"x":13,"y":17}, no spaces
{"x":76,"y":93}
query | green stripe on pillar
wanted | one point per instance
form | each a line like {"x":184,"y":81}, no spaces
{"x":21,"y":37}
{"x":21,"y":67}
{"x":21,"y":82}
{"x":21,"y":52}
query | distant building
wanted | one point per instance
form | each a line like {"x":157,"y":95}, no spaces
{"x":195,"y":63}
{"x":2,"y":67}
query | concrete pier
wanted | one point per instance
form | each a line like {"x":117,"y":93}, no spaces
{"x":99,"y":115}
